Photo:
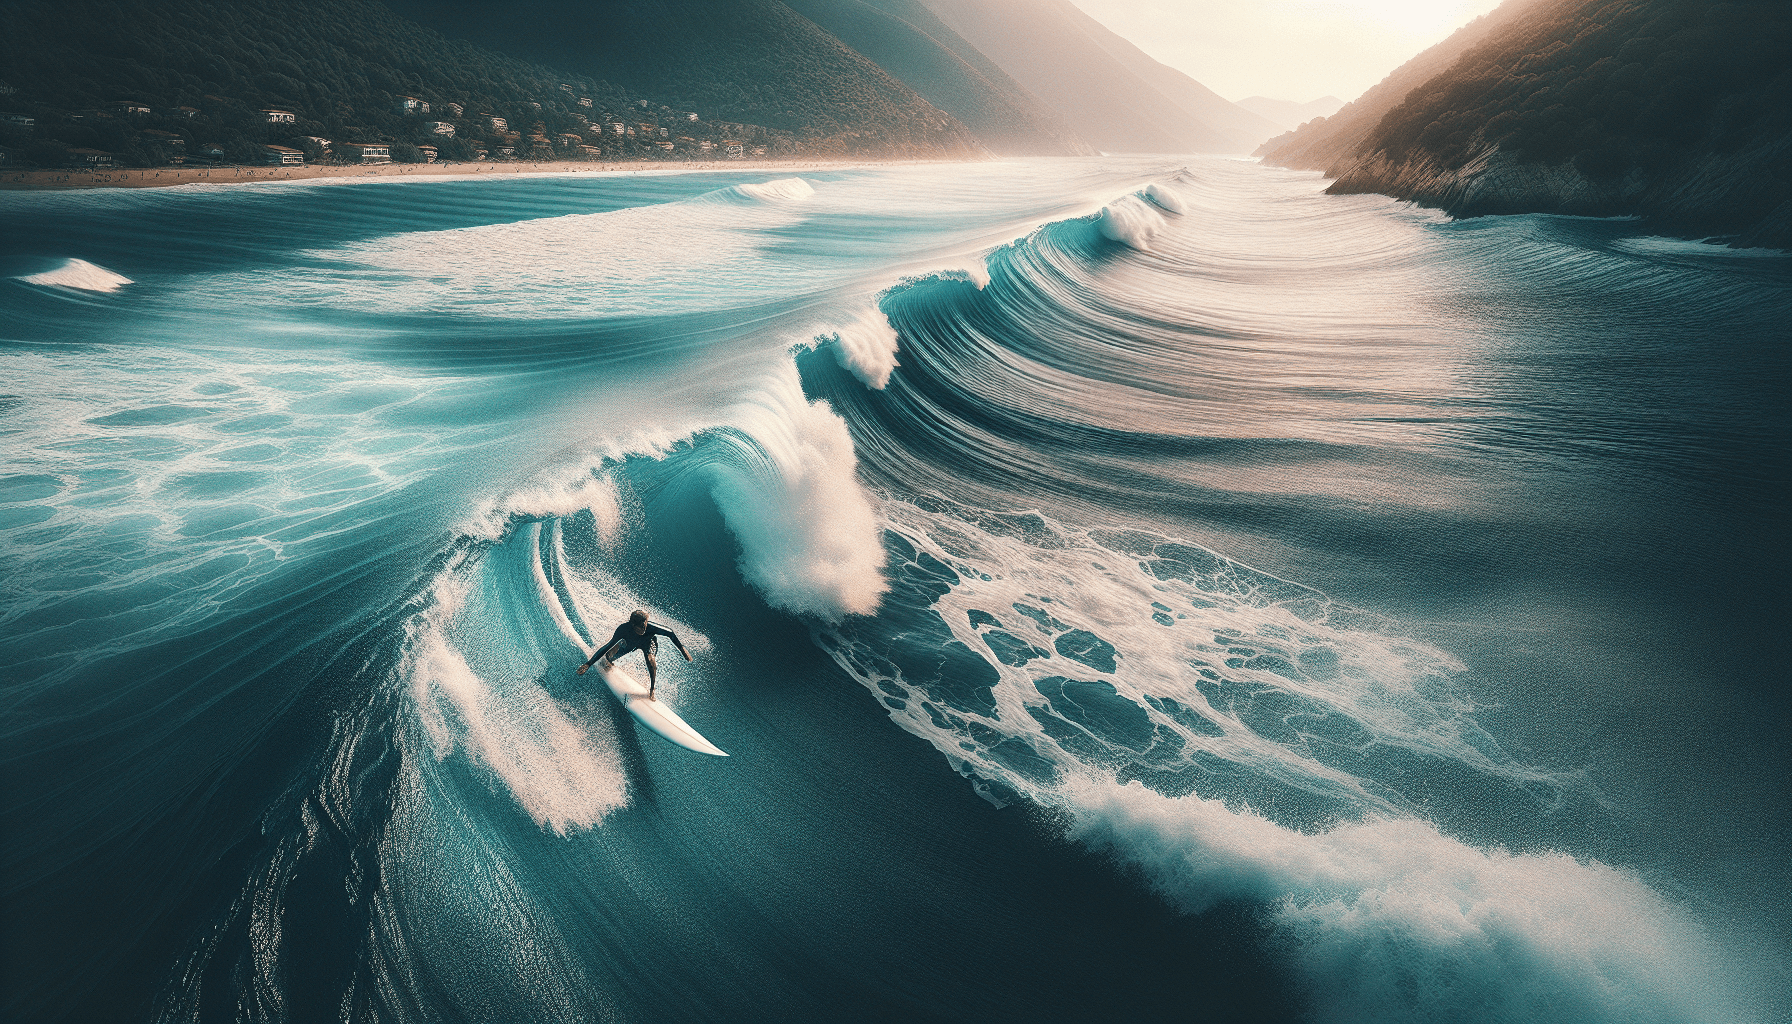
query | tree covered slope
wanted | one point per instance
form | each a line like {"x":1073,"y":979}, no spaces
{"x":911,"y":43}
{"x":1676,"y":110}
{"x":751,"y":61}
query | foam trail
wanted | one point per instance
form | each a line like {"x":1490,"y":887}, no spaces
{"x":810,"y":542}
{"x":474,"y":665}
{"x":80,"y":275}
{"x":1128,"y":674}
{"x":867,"y":346}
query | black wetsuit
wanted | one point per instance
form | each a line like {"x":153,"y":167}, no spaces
{"x":626,"y":639}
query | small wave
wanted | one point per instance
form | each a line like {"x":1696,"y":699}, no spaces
{"x":1163,"y":196}
{"x":80,"y":275}
{"x":1129,"y":221}
{"x":778,"y":190}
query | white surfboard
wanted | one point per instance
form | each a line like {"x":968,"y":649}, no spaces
{"x":654,"y":714}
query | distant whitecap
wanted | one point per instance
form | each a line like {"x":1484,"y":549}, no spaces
{"x":80,"y":274}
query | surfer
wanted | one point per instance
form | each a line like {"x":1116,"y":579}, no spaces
{"x":636,"y":635}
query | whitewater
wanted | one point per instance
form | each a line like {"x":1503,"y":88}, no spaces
{"x":1128,"y":588}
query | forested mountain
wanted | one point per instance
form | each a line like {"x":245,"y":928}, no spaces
{"x":338,"y":65}
{"x":1679,"y":110}
{"x":752,"y":61}
{"x":910,"y":42}
{"x":1112,"y":94}
{"x":1321,"y":146}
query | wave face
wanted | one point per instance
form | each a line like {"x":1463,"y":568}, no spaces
{"x":1127,"y":590}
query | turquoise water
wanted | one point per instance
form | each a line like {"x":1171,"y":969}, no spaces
{"x":1127,"y":589}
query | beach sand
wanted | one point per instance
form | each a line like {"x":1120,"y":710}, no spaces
{"x":156,"y":177}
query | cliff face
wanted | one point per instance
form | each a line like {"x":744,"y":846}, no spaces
{"x":1711,"y":194}
{"x":1674,"y":110}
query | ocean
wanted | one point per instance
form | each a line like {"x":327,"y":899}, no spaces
{"x":1126,"y":588}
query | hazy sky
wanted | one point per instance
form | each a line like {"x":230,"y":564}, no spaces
{"x":1286,"y":49}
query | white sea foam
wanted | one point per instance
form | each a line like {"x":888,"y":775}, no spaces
{"x":1384,"y":916}
{"x":80,"y":275}
{"x":1390,"y":920}
{"x":810,"y":541}
{"x":1130,"y":221}
{"x":866,"y":346}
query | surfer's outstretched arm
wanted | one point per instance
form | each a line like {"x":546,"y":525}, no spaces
{"x":668,"y":634}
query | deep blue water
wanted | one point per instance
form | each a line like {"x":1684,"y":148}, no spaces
{"x":1127,"y":590}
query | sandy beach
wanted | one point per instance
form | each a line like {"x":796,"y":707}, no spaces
{"x":158,"y":177}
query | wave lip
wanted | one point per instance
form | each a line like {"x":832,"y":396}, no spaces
{"x":778,"y":190}
{"x":867,"y":347}
{"x":1130,"y":221}
{"x":79,"y":275}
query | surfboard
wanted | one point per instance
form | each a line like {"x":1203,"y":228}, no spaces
{"x":654,"y":714}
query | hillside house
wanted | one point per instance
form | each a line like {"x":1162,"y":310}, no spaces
{"x":734,"y":149}
{"x":128,"y":108}
{"x":568,"y":139}
{"x":412,"y":105}
{"x":18,"y":120}
{"x":282,"y":156}
{"x":706,"y":145}
{"x":507,"y":152}
{"x":616,"y":127}
{"x":366,"y":152}
{"x":90,"y":158}
{"x":481,"y":153}
{"x":279,"y":116}
{"x":184,"y":113}
{"x":584,"y":101}
{"x":173,"y":147}
{"x":591,"y":152}
{"x":455,"y":109}
{"x":429,"y":153}
{"x":667,"y":146}
{"x":692,"y":116}
{"x":495,"y":123}
{"x":442,"y":128}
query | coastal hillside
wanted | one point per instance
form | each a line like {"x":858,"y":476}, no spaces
{"x":1324,"y":144}
{"x":153,"y":82}
{"x":1112,"y":94}
{"x":1674,"y":110}
{"x":751,"y":61}
{"x":910,"y":42}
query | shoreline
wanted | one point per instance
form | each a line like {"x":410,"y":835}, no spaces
{"x":71,"y":179}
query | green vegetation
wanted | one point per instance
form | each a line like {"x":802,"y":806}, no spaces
{"x":1614,"y":86}
{"x":750,"y":61}
{"x":342,"y":67}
